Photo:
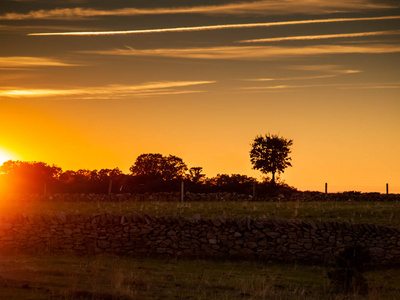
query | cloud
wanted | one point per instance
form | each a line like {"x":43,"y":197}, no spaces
{"x":294,"y":78}
{"x":215,"y":27}
{"x":263,"y":7}
{"x":320,"y":68}
{"x":254,"y":52}
{"x":395,"y":85}
{"x":325,"y":36}
{"x":41,"y":27}
{"x":11,"y":62}
{"x":332,"y":70}
{"x":108,"y":92}
{"x":374,"y":86}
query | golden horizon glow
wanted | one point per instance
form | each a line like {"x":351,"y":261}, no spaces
{"x":95,"y":86}
{"x":6,"y":155}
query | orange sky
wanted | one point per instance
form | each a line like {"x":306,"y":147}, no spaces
{"x":203,"y":83}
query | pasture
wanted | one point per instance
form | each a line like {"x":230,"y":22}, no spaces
{"x":112,"y":277}
{"x":48,"y":276}
{"x":379,"y":213}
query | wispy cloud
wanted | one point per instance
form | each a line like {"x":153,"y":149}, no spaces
{"x":263,"y":7}
{"x":108,"y":92}
{"x":335,"y":69}
{"x":29,"y":28}
{"x":331,"y":70}
{"x":291,"y":78}
{"x":325,"y":36}
{"x":284,"y":87}
{"x":11,"y":62}
{"x":254,"y":52}
{"x":216,"y":27}
{"x":374,"y":86}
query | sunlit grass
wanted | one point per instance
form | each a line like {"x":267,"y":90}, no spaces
{"x":380,"y":213}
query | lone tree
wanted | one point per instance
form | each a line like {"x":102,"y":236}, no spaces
{"x":269,"y":154}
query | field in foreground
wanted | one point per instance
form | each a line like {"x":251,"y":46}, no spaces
{"x":111,"y":277}
{"x":46,"y":276}
{"x":379,"y":213}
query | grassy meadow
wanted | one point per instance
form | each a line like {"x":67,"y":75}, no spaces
{"x":112,"y":277}
{"x":47,"y":276}
{"x":380,"y":213}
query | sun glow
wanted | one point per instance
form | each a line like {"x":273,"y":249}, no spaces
{"x":5,"y":155}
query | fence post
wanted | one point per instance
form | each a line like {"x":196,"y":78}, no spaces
{"x":182,"y":190}
{"x":387,"y":188}
{"x":326,"y":188}
{"x":109,"y":188}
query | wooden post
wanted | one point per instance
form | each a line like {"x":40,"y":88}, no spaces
{"x":326,"y":188}
{"x":182,"y":190}
{"x":109,"y":189}
{"x":387,"y":188}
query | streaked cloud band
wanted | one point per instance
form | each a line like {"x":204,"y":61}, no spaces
{"x":255,"y":52}
{"x":261,"y":7}
{"x":215,"y":27}
{"x":325,"y":36}
{"x":394,"y":85}
{"x":110,"y":91}
{"x":9,"y":62}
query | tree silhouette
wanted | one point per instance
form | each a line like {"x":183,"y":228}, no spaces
{"x":147,"y":164}
{"x":173,"y":168}
{"x":28,"y":177}
{"x":269,"y":154}
{"x":154,"y":165}
{"x":90,"y":181}
{"x":195,"y":175}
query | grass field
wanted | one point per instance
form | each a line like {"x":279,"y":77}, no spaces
{"x":380,"y":213}
{"x":46,"y":276}
{"x":111,"y":277}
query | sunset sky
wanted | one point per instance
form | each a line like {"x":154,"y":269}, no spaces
{"x":93,"y":84}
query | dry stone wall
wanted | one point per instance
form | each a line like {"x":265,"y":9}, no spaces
{"x":189,"y":197}
{"x":267,"y":239}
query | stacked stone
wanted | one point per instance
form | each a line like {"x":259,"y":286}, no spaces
{"x":268,"y":239}
{"x":220,"y":197}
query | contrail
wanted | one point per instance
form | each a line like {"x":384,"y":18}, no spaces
{"x":216,"y":27}
{"x":325,"y":36}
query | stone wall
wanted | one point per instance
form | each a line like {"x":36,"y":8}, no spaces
{"x":267,"y":239}
{"x":189,"y":197}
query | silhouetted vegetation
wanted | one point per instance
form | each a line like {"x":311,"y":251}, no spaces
{"x":237,"y":183}
{"x":347,"y":273}
{"x":150,"y":173}
{"x":269,"y":154}
{"x":90,"y":181}
{"x":30,"y":177}
{"x":153,"y":172}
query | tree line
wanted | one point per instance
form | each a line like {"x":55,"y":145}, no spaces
{"x":151,"y":172}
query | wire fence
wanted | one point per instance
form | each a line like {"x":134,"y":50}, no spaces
{"x":326,"y":187}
